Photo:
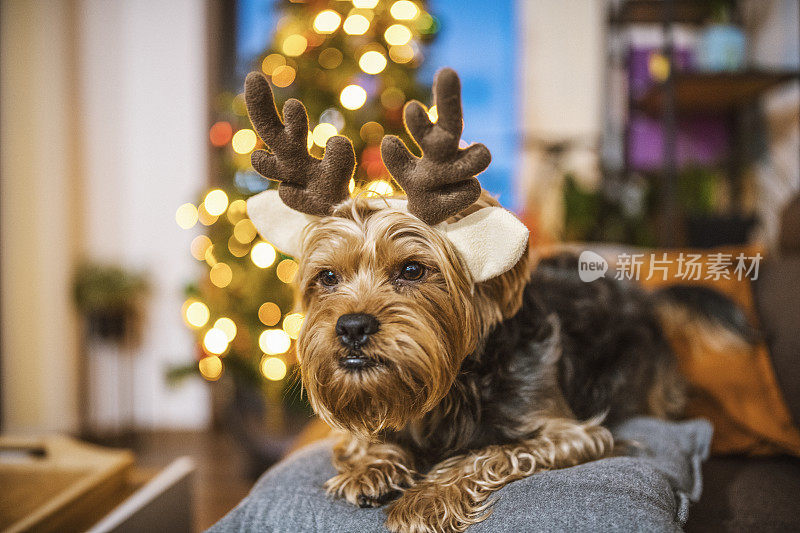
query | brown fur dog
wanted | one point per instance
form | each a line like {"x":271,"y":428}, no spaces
{"x":447,"y":379}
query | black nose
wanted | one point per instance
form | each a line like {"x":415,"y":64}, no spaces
{"x":354,"y":329}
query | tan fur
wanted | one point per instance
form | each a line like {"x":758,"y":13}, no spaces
{"x":455,"y":493}
{"x":369,"y":471}
{"x":425,"y":334}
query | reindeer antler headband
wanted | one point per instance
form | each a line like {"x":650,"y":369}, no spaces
{"x":438,"y":185}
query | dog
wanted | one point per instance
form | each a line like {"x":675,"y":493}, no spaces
{"x":450,"y":363}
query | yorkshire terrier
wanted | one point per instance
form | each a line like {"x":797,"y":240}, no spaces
{"x":449,"y":364}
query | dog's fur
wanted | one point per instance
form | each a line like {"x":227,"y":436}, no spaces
{"x":473,"y":385}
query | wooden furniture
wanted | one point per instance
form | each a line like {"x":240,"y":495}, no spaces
{"x":58,"y":484}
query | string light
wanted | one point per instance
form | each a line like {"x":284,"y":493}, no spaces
{"x":356,"y":25}
{"x":210,"y":367}
{"x":294,"y":45}
{"x":352,"y":97}
{"x":274,"y":341}
{"x":221,"y":275}
{"x":404,"y":10}
{"x":379,"y":188}
{"x":397,"y":35}
{"x":244,"y":141}
{"x":195,"y":313}
{"x":215,"y":341}
{"x":186,"y":216}
{"x":269,"y":314}
{"x":273,"y":368}
{"x":286,"y":270}
{"x":322,"y":132}
{"x":372,"y":62}
{"x":292,"y":324}
{"x":227,"y":326}
{"x":263,"y":254}
{"x":327,"y":21}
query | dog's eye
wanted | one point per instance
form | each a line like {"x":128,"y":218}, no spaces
{"x":328,"y":278}
{"x":412,"y":271}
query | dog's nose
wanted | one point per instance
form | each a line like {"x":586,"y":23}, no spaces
{"x":354,"y":329}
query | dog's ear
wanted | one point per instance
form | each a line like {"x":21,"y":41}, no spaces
{"x":491,"y":241}
{"x":278,"y":223}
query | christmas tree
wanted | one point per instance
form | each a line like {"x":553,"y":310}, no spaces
{"x":353,"y":65}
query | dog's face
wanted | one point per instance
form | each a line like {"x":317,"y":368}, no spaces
{"x":391,"y":313}
{"x":389,"y":317}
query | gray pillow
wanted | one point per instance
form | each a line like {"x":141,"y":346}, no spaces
{"x":648,"y":491}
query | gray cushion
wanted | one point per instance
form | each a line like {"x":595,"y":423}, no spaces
{"x":649,"y":491}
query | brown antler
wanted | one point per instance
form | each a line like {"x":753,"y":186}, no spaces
{"x":308,"y":184}
{"x":442,"y":182}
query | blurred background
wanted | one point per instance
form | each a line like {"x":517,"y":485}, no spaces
{"x":139,"y":307}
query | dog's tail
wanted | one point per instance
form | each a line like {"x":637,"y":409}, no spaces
{"x":699,"y":316}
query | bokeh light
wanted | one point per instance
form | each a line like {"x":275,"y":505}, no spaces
{"x":263,"y":254}
{"x":244,"y":231}
{"x":204,"y":216}
{"x":372,"y":62}
{"x":294,"y":45}
{"x":210,"y":367}
{"x":365,"y":4}
{"x":220,"y":133}
{"x":283,"y":76}
{"x":271,"y":62}
{"x":393,"y":98}
{"x":401,"y":54}
{"x":215,"y":341}
{"x":356,"y":25}
{"x":371,"y":132}
{"x":216,"y":202}
{"x":236,"y":248}
{"x":237,"y":211}
{"x":221,"y":275}
{"x":292,"y":324}
{"x":352,"y":97}
{"x":227,"y":326}
{"x":433,"y":114}
{"x":244,"y":141}
{"x":330,"y":58}
{"x":397,"y":34}
{"x":273,"y":368}
{"x":286,"y":270}
{"x":269,"y":314}
{"x":322,"y":132}
{"x":326,"y":21}
{"x":186,"y":216}
{"x":379,"y":188}
{"x":199,"y":245}
{"x":274,"y":341}
{"x":195,"y":313}
{"x":404,"y":10}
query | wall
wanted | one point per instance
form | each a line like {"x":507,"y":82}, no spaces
{"x":104,"y":130}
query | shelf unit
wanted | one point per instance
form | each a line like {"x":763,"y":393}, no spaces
{"x":725,"y":94}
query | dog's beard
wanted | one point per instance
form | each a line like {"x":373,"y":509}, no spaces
{"x":410,"y":366}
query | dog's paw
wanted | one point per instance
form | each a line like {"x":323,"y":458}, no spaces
{"x":430,"y":507}
{"x":371,"y":485}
